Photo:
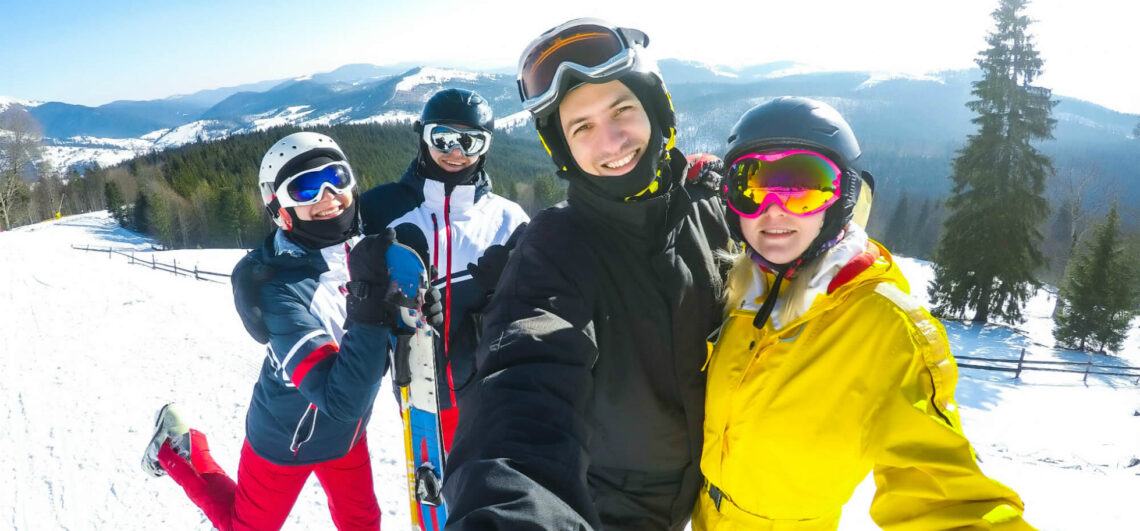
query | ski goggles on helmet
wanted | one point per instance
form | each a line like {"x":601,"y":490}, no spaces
{"x":307,"y":187}
{"x":445,"y":138}
{"x":590,"y":48}
{"x":802,"y":182}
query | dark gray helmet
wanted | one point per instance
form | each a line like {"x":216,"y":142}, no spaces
{"x":791,"y":122}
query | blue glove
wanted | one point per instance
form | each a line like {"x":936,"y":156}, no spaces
{"x":386,"y":276}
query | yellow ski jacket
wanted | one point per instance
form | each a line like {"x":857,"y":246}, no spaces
{"x":864,"y":380}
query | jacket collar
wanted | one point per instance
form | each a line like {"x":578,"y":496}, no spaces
{"x":432,"y":193}
{"x":281,"y":252}
{"x":841,"y":260}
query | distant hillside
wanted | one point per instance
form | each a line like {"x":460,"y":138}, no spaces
{"x":205,"y":194}
{"x":909,"y":126}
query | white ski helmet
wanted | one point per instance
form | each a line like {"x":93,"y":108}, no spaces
{"x":283,"y":160}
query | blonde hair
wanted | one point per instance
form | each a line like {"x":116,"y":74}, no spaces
{"x":792,"y":292}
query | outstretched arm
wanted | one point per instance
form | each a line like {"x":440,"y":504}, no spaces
{"x":519,"y":459}
{"x":926,"y":472}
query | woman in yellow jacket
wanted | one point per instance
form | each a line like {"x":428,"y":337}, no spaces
{"x":839,"y":373}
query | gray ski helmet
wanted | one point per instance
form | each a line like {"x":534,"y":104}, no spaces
{"x":457,"y":106}
{"x":795,"y":122}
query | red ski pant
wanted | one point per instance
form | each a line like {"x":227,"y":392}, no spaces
{"x":265,"y":492}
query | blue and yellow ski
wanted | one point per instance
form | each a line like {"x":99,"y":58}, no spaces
{"x":414,"y":377}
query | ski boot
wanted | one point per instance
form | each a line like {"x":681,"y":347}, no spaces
{"x":167,"y":425}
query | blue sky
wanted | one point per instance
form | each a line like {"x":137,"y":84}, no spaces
{"x":94,"y":52}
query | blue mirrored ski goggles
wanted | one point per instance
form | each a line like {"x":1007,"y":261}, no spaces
{"x":306,"y":188}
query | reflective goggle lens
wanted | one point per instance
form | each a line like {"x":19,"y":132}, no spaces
{"x":803,"y":182}
{"x":587,"y":45}
{"x":472,"y":142}
{"x":306,"y":186}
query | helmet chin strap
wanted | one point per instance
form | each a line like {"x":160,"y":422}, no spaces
{"x":783,"y":271}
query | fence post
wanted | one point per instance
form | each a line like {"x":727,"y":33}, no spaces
{"x":109,"y":253}
{"x":1088,"y":365}
{"x":1017,"y":374}
{"x":152,"y":264}
{"x":196,"y":272}
{"x":175,"y":266}
{"x":132,"y":258}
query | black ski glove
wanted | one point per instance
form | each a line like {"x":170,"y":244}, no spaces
{"x":368,"y":289}
{"x":705,"y":169}
{"x":246,"y":279}
{"x":433,"y":306}
{"x":493,"y":261}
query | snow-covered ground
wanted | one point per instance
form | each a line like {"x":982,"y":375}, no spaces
{"x":92,"y":346}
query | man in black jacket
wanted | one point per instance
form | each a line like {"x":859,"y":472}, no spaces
{"x":587,"y":406}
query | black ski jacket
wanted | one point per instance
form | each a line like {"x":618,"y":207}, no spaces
{"x":587,"y":406}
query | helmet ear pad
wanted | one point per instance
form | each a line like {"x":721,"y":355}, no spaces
{"x":283,"y":219}
{"x":418,"y":127}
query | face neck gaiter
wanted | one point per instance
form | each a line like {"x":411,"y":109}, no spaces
{"x":318,"y":234}
{"x":434,"y":172}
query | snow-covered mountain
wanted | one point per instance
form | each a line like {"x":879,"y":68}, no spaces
{"x":93,"y":345}
{"x":922,"y":119}
{"x":6,"y":102}
{"x":76,"y":135}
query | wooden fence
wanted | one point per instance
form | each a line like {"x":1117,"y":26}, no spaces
{"x":158,"y":266}
{"x":1021,"y":364}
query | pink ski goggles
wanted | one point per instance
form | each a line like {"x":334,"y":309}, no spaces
{"x":802,"y":182}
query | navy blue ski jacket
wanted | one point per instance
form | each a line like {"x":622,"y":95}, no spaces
{"x":314,"y":396}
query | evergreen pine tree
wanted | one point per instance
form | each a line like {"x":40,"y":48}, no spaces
{"x":229,"y":216}
{"x":898,"y":232}
{"x":113,"y":198}
{"x":161,"y":221}
{"x":925,"y":230}
{"x":988,"y":251}
{"x":1099,"y":295}
{"x":546,"y":192}
{"x":141,"y":216}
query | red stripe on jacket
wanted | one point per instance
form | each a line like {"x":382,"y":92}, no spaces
{"x":315,"y":357}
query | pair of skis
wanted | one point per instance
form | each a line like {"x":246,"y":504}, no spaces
{"x":414,"y":378}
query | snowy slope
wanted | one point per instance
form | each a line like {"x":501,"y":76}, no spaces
{"x":94,"y":345}
{"x":1063,"y":446}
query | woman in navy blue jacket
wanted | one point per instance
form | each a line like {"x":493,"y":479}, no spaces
{"x":313,"y":398}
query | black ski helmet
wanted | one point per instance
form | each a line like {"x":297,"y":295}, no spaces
{"x":457,"y":106}
{"x":460,"y":107}
{"x":789,"y":122}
